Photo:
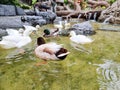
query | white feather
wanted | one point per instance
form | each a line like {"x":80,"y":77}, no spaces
{"x":15,"y":39}
{"x":80,"y":39}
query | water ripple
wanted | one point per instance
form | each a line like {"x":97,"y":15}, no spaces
{"x":108,"y":75}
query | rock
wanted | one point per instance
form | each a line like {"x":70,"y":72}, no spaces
{"x":7,"y":10}
{"x":11,"y":22}
{"x":34,"y":20}
{"x":84,"y":28}
{"x":38,"y":22}
{"x":29,"y":12}
{"x":19,"y":11}
{"x":48,"y":16}
{"x":10,"y":10}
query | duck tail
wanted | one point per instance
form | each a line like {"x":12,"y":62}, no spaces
{"x":63,"y":54}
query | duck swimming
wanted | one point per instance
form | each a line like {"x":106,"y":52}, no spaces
{"x":79,"y":39}
{"x":50,"y":51}
{"x":17,"y":40}
{"x":51,"y":32}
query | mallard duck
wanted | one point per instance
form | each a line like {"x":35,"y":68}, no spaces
{"x":51,"y":32}
{"x":50,"y":51}
{"x":16,"y":39}
{"x":79,"y":39}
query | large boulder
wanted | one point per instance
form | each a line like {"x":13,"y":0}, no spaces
{"x":84,"y":28}
{"x":11,"y":22}
{"x":29,"y":12}
{"x":20,"y":11}
{"x":10,"y":10}
{"x":34,"y":20}
{"x":7,"y":10}
{"x":48,"y":16}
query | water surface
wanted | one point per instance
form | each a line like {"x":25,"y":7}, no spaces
{"x":83,"y":69}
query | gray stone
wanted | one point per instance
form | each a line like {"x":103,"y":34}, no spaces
{"x":34,"y":20}
{"x":11,"y":22}
{"x":48,"y":16}
{"x":38,"y":22}
{"x":84,"y":28}
{"x":7,"y":10}
{"x":19,"y":11}
{"x":29,"y":12}
{"x":2,"y":13}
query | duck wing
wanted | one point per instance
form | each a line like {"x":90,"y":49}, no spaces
{"x":84,"y":39}
{"x":47,"y":51}
{"x":7,"y":44}
{"x":24,"y":41}
{"x":12,"y":32}
{"x":81,"y":39}
{"x":14,"y":39}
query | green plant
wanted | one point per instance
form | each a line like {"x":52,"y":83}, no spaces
{"x":13,"y":2}
{"x":111,"y":1}
{"x":34,"y":1}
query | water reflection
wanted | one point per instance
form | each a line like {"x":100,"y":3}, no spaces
{"x":81,"y":48}
{"x":74,"y":73}
{"x":16,"y":56}
{"x":109,"y":75}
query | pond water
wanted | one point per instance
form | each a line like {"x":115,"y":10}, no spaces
{"x":96,"y":67}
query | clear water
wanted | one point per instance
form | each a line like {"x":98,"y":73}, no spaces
{"x":93,"y":67}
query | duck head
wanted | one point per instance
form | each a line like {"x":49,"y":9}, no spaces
{"x":40,"y":41}
{"x":47,"y":32}
{"x":62,"y":53}
{"x":29,"y":30}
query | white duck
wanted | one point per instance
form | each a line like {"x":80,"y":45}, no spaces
{"x":16,"y":39}
{"x":50,"y":51}
{"x":79,"y":39}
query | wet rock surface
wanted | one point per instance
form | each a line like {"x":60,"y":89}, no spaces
{"x":84,"y":28}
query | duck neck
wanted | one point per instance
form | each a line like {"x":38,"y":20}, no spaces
{"x":73,"y":34}
{"x":40,"y":41}
{"x":27,"y":33}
